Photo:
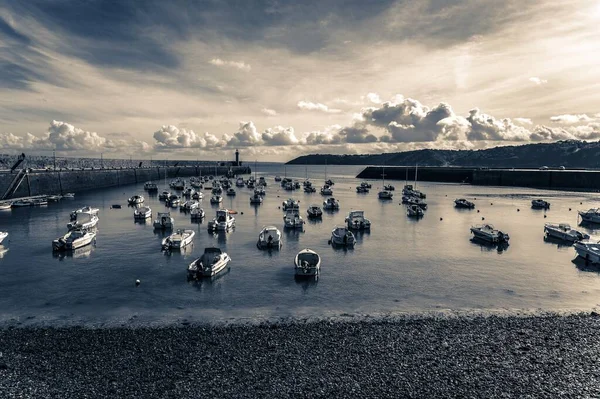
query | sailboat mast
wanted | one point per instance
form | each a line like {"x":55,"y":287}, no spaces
{"x":416,"y":170}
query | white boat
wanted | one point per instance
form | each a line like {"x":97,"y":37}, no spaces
{"x":85,"y":209}
{"x":487,"y":232}
{"x":385,"y":195}
{"x":260,"y":190}
{"x":198,"y":195}
{"x":256,"y":199}
{"x":240,"y":182}
{"x":150,"y":186}
{"x":289,"y":186}
{"x":540,"y":204}
{"x":174,"y":201}
{"x":231,"y":192}
{"x":189,"y":205}
{"x":223,"y":220}
{"x":54,"y":198}
{"x":21,"y":203}
{"x":326,"y":190}
{"x":414,"y":211}
{"x":165,"y":195}
{"x":591,"y":215}
{"x":177,"y":184}
{"x":142,"y":213}
{"x":212,"y":261}
{"x":563,"y":231}
{"x":463,"y":203}
{"x":356,"y":220}
{"x":164,"y":221}
{"x":292,"y":219}
{"x":69,"y":195}
{"x":136,"y":199}
{"x":216,"y":199}
{"x":364,"y":184}
{"x":362,"y":190}
{"x":39,"y":201}
{"x":3,"y":235}
{"x":314,"y":211}
{"x":269,"y":238}
{"x":588,"y":250}
{"x":84,"y":220}
{"x":188,"y":192}
{"x":180,"y":239}
{"x":408,"y":200}
{"x":307,"y":263}
{"x":197,"y":214}
{"x":331,"y":204}
{"x":73,"y":239}
{"x":5,"y":206}
{"x":278,"y":178}
{"x":290,"y":203}
{"x":343,"y":237}
{"x":389,"y":187}
{"x":408,"y":190}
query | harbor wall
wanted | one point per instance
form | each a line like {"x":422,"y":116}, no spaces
{"x":586,"y":180}
{"x":42,"y":182}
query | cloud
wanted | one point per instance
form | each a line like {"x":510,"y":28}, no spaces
{"x":523,"y":121}
{"x":571,"y":118}
{"x":235,"y":64}
{"x":246,"y":136}
{"x":329,"y":135}
{"x":538,"y":81}
{"x":310,"y":106}
{"x":269,"y":111}
{"x":279,"y":135}
{"x":374,"y":98}
{"x":169,"y":136}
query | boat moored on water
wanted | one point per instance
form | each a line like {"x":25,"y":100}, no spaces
{"x":197,"y":196}
{"x":136,"y":199}
{"x":3,"y":235}
{"x":240,"y":182}
{"x":216,"y":199}
{"x":39,"y":201}
{"x":540,"y":204}
{"x":197,"y":214}
{"x":314,"y":211}
{"x":165,"y":195}
{"x":231,"y":192}
{"x":269,"y":238}
{"x":487,"y":232}
{"x":414,"y":201}
{"x":326,"y":190}
{"x":343,"y":237}
{"x":414,"y":211}
{"x":174,"y":201}
{"x":68,"y":195}
{"x":290,"y":203}
{"x":310,"y":189}
{"x":588,"y":250}
{"x":463,"y":203}
{"x":256,"y":199}
{"x":73,"y":239}
{"x":563,"y":231}
{"x":84,"y":220}
{"x":142,"y":213}
{"x":150,"y":186}
{"x":21,"y":203}
{"x":385,"y":195}
{"x":292,"y":219}
{"x":408,"y":190}
{"x":389,"y":187}
{"x":590,"y":216}
{"x":307,"y":263}
{"x":189,"y":205}
{"x":5,"y":205}
{"x":177,"y":184}
{"x":362,"y":190}
{"x":329,"y":182}
{"x":277,"y":178}
{"x":331,"y":204}
{"x":85,"y":209}
{"x":54,"y":198}
{"x":212,"y":261}
{"x":180,"y":239}
{"x":356,"y":220}
{"x":164,"y":221}
{"x":223,"y":220}
{"x":188,"y":192}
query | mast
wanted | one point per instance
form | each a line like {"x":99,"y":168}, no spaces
{"x":416,"y":169}
{"x":383,"y":176}
{"x":255,"y":170}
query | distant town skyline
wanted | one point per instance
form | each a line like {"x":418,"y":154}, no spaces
{"x":196,"y":80}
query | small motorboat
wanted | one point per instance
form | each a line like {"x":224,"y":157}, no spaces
{"x":177,"y":184}
{"x":591,"y":215}
{"x":269,"y":238}
{"x":250,"y":184}
{"x":142,"y":213}
{"x":54,"y":198}
{"x":389,"y":187}
{"x":85,"y":209}
{"x":307,"y":263}
{"x":277,"y":178}
{"x":197,"y":214}
{"x":326,"y":190}
{"x":292,"y":219}
{"x":414,"y":211}
{"x":362,"y":190}
{"x":73,"y":239}
{"x":68,"y":195}
{"x":256,"y":199}
{"x":385,"y":195}
{"x":588,"y":250}
{"x":262,"y":181}
{"x":329,"y":182}
{"x":21,"y":203}
{"x":165,"y":195}
{"x":314,"y":211}
{"x":289,"y":186}
{"x":150,"y":186}
{"x":164,"y":221}
{"x":136,"y":199}
{"x":39,"y":201}
{"x":408,"y":190}
{"x":5,"y":206}
{"x":290,"y":203}
{"x":188,"y":192}
{"x":198,"y":195}
{"x":216,"y":199}
{"x":180,"y":239}
{"x":343,"y":237}
{"x":189,"y":205}
{"x":488,"y":233}
{"x":463,"y":203}
{"x":174,"y":201}
{"x":212,"y":261}
{"x":540,"y":204}
{"x":240,"y":182}
{"x":260,"y":190}
{"x":3,"y":235}
{"x":231,"y":192}
{"x":414,"y":201}
{"x":331,"y":204}
{"x":310,"y":189}
{"x":84,"y":220}
{"x":364,"y":184}
{"x":223,"y":220}
{"x":563,"y":231}
{"x":356,"y":220}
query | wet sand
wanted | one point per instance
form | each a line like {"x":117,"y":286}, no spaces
{"x":412,"y":356}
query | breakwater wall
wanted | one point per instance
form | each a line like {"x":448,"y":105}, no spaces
{"x":585,"y":180}
{"x":42,"y":182}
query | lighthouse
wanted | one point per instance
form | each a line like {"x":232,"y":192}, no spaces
{"x":237,"y":157}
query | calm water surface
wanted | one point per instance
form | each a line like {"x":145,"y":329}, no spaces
{"x":402,"y":265}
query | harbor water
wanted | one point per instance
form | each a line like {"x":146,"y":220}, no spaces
{"x":402,"y":265}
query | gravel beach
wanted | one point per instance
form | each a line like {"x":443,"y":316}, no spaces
{"x":465,"y":356}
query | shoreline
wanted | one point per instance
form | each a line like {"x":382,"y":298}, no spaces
{"x":547,"y":355}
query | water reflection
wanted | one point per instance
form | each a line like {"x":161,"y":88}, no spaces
{"x":586,"y":266}
{"x":79,"y":253}
{"x":306,"y":282}
{"x":3,"y":251}
{"x":558,"y":242}
{"x":292,"y":234}
{"x":487,"y":246}
{"x":208,"y":282}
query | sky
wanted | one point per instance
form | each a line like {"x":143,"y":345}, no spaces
{"x":278,"y":79}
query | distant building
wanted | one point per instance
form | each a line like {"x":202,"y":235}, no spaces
{"x":237,"y":161}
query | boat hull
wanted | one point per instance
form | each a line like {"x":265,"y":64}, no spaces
{"x":587,"y":254}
